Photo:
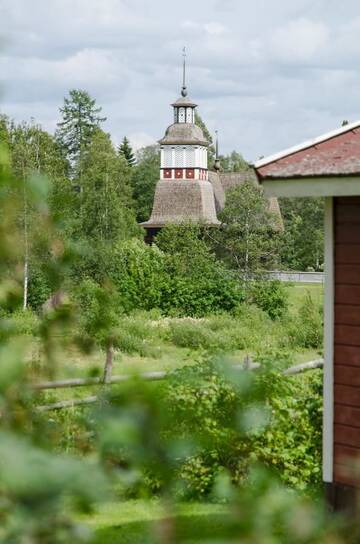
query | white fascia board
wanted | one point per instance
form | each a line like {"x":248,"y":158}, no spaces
{"x":315,"y":187}
{"x":305,"y":145}
{"x":328,"y":380}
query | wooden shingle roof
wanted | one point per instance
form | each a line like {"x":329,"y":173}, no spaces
{"x":336,"y":153}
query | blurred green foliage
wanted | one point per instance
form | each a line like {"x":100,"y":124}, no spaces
{"x":211,"y":430}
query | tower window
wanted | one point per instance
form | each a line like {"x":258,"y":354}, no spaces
{"x":179,"y":157}
{"x":190,"y":157}
{"x":189,"y":115}
{"x":167,"y":154}
{"x":181,"y":115}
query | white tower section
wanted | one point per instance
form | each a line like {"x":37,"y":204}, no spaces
{"x":184,"y":148}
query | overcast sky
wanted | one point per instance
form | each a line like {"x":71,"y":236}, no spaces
{"x":267,"y":74}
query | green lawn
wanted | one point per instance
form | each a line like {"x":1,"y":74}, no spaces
{"x":138,"y":521}
{"x":298,"y":291}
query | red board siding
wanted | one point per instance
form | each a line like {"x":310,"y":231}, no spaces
{"x":347,"y":213}
{"x":347,"y":334}
{"x":347,"y":355}
{"x":348,"y":273}
{"x":346,"y":435}
{"x":347,"y":314}
{"x":346,"y":474}
{"x":346,"y":395}
{"x":347,"y":254}
{"x":343,"y":454}
{"x":347,"y":340}
{"x":347,"y":294}
{"x":347,"y":415}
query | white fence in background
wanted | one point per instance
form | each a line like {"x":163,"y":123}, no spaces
{"x":297,"y":277}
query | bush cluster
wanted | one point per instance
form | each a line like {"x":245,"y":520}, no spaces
{"x":179,"y":275}
{"x":306,"y":330}
{"x":270,"y":296}
{"x":286,"y":436}
{"x":176,"y":283}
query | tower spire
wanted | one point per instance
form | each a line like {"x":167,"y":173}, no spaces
{"x":217,"y":160}
{"x":183,"y":89}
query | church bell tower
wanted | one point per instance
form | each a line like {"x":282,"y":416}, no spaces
{"x":183,"y":194}
{"x":184,"y":148}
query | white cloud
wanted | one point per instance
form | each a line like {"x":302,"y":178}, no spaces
{"x":212,"y":28}
{"x":299,"y":41}
{"x":215,"y":29}
{"x":266,"y":74}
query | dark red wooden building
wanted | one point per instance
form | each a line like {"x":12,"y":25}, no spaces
{"x":329,"y":167}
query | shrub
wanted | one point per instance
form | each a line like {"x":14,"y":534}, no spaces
{"x":250,"y":329}
{"x":99,"y":308}
{"x":197,"y":284}
{"x":306,"y":331}
{"x":20,"y":322}
{"x":292,"y":444}
{"x":134,"y":335}
{"x":25,"y":322}
{"x":247,"y":417}
{"x":137,"y":271}
{"x":270,"y":296}
{"x":180,"y":277}
{"x":193,"y":335}
{"x":39,"y":289}
{"x":200,"y":294}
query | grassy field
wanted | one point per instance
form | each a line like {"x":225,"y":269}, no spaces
{"x":138,"y":521}
{"x":153,"y":343}
{"x":298,"y":291}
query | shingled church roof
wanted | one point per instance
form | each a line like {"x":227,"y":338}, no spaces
{"x":222,"y":182}
{"x":184,"y":133}
{"x":183,"y":201}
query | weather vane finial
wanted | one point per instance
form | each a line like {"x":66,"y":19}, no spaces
{"x":184,"y":90}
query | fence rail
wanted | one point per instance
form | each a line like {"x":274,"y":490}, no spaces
{"x":151,"y":376}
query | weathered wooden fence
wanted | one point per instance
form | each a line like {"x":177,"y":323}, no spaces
{"x":148,"y":376}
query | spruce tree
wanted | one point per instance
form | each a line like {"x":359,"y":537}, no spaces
{"x":126,"y":151}
{"x":80,"y":119}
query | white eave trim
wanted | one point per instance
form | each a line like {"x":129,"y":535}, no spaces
{"x":328,"y":382}
{"x":315,"y":187}
{"x":305,"y":145}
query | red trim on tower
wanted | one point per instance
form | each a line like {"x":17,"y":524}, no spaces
{"x":190,"y":173}
{"x":178,"y":173}
{"x":167,"y":173}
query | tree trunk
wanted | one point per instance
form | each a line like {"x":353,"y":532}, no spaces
{"x":26,"y":279}
{"x":26,"y":249}
{"x":108,"y":363}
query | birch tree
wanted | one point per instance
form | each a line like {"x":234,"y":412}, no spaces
{"x":33,"y":152}
{"x":249,"y":235}
{"x":106,"y":197}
